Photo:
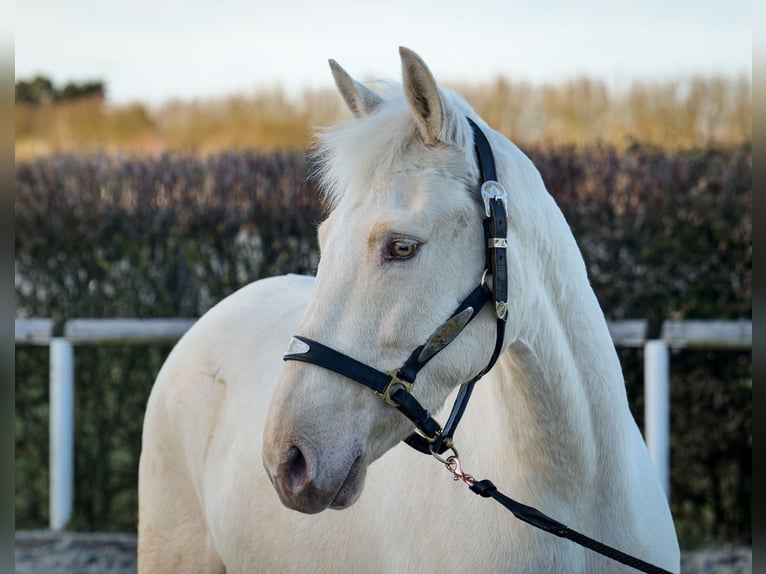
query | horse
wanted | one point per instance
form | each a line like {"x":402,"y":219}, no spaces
{"x":254,"y":464}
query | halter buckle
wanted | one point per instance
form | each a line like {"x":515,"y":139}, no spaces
{"x":394,"y":382}
{"x":493,"y":190}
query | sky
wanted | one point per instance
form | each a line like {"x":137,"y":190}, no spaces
{"x":152,"y":51}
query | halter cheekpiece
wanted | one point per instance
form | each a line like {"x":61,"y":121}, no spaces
{"x":395,"y":387}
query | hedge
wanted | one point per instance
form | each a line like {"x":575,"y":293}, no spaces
{"x":664,"y":234}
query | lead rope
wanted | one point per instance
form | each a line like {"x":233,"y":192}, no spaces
{"x":534,"y":517}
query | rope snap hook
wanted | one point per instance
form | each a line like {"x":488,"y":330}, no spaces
{"x":454,"y":466}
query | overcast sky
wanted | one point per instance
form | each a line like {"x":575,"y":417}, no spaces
{"x":155,"y":50}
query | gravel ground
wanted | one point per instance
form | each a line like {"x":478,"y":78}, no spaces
{"x":46,"y":552}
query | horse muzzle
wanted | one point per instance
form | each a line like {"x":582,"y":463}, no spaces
{"x":309,"y":482}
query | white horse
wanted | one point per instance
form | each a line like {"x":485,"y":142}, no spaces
{"x":235,"y":441}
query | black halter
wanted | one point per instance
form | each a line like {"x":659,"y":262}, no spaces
{"x":395,"y":387}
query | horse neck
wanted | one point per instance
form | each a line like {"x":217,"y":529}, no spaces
{"x":559,"y":385}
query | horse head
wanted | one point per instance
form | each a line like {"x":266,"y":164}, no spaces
{"x":402,"y":246}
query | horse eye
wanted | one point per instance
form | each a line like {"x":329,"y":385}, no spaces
{"x":402,"y":249}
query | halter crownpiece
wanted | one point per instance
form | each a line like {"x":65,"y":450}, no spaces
{"x":395,"y":388}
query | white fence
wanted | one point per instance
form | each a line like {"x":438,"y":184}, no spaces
{"x":61,"y":433}
{"x":628,"y":333}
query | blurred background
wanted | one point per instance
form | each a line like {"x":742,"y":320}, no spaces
{"x":149,"y":78}
{"x":160,"y":165}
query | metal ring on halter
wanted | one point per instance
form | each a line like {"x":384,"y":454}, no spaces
{"x":445,"y":461}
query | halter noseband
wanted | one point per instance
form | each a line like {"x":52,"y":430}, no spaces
{"x":395,"y":387}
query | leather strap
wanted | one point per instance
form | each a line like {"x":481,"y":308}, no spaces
{"x":530,"y":515}
{"x":384,"y":384}
{"x":483,"y":153}
{"x":495,"y":225}
{"x":445,"y":333}
{"x":327,"y":358}
{"x":443,"y":442}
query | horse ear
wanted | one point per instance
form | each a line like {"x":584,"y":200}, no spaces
{"x":423,"y":97}
{"x":361,"y":100}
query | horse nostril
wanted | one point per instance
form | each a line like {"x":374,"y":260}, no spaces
{"x":295,"y":469}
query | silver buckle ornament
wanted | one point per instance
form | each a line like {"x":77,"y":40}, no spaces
{"x":297,"y":347}
{"x":493,"y":190}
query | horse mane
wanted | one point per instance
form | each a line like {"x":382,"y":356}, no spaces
{"x":352,"y":154}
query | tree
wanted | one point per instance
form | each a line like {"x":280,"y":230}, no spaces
{"x":41,"y":90}
{"x":35,"y":91}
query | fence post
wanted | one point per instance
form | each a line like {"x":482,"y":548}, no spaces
{"x":657,"y":408}
{"x":61,"y":432}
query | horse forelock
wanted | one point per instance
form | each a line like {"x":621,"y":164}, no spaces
{"x":349,"y":157}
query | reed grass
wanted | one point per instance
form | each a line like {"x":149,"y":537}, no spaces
{"x":691,"y":112}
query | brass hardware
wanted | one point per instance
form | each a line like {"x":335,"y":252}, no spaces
{"x":430,"y":440}
{"x":394,"y":382}
{"x":438,"y":457}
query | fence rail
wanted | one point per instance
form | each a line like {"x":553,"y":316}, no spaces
{"x":699,"y":334}
{"x":34,"y":331}
{"x":97,"y":331}
{"x":675,"y":334}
